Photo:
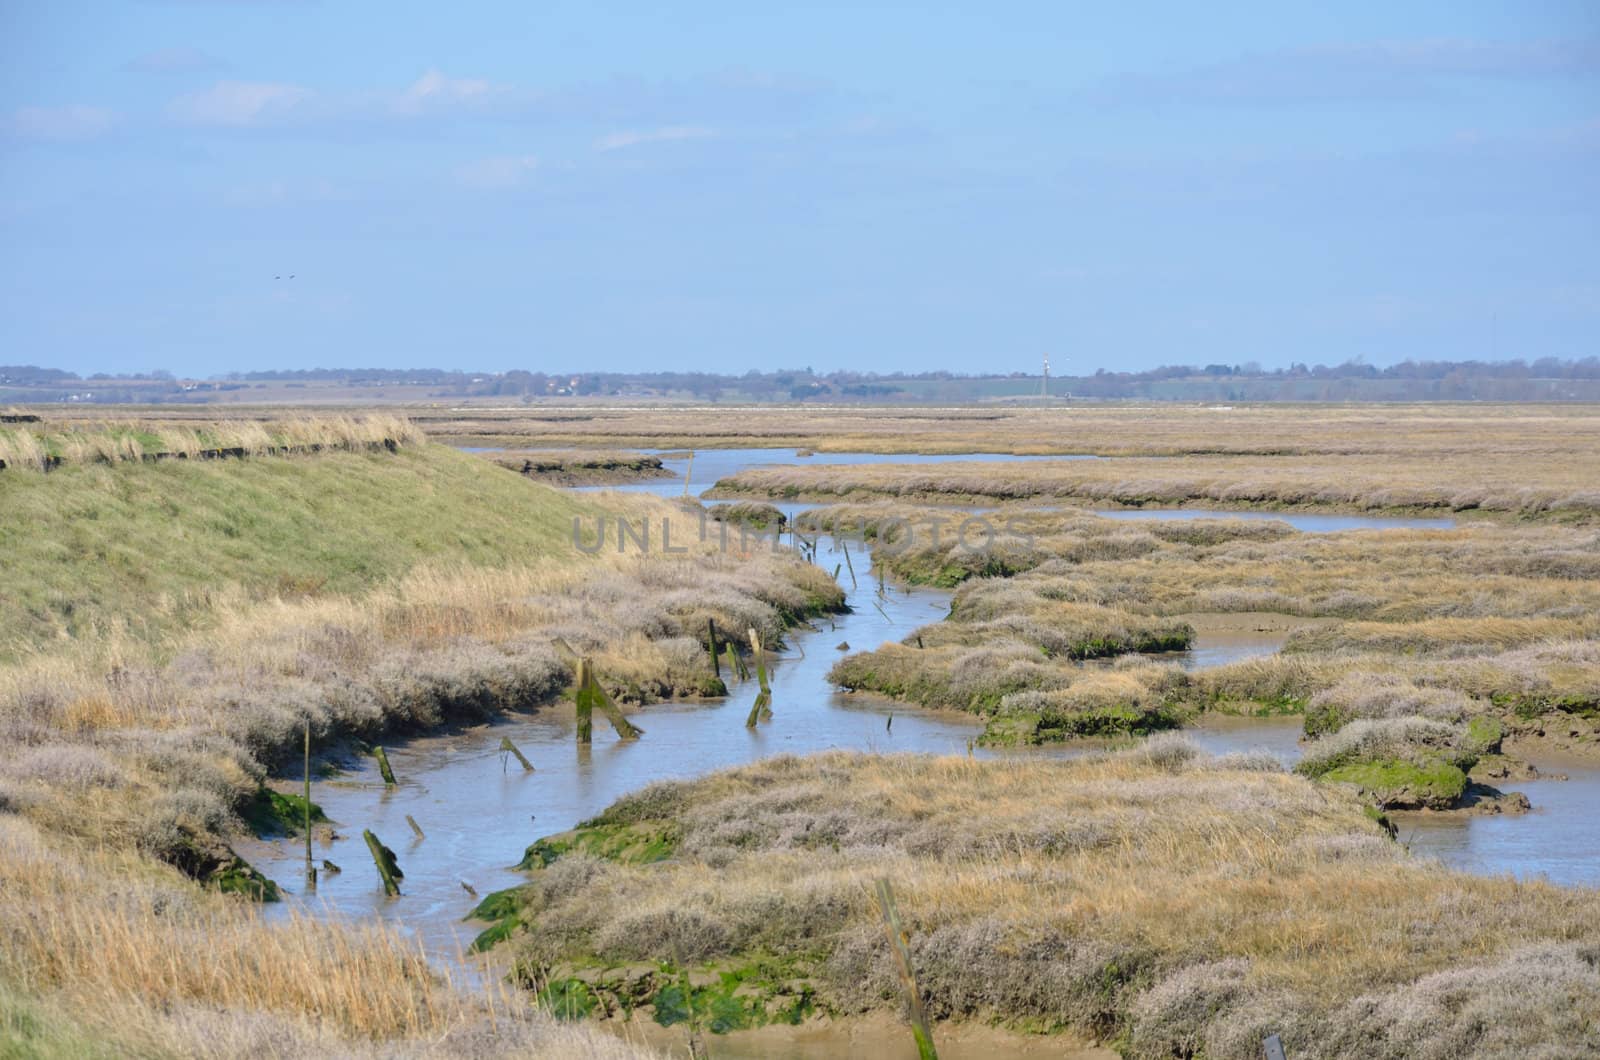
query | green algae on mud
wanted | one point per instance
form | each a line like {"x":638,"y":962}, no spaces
{"x":755,"y":991}
{"x":1405,"y":762}
{"x":754,"y":514}
{"x":629,"y":843}
{"x":720,"y":997}
{"x":270,"y":813}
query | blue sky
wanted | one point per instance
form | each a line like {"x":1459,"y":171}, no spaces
{"x":887,"y":186}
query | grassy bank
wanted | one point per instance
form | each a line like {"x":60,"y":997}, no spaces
{"x":178,"y":624}
{"x":152,"y":718}
{"x":148,"y":550}
{"x":1170,"y":904}
{"x":52,"y":442}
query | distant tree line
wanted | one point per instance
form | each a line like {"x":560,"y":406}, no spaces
{"x":1547,"y":378}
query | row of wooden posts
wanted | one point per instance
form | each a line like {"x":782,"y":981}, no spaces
{"x":589,"y":695}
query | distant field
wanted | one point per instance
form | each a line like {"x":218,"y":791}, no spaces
{"x":1538,"y":432}
{"x":1535,"y":430}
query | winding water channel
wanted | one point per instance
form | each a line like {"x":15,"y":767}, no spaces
{"x":479,"y":811}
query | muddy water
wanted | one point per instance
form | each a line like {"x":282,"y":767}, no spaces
{"x":479,"y":811}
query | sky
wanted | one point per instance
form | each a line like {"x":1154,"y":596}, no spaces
{"x":727,"y":186}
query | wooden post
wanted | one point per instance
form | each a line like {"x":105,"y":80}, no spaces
{"x":383,"y":766}
{"x":899,"y":947}
{"x":412,"y":821}
{"x":590,"y":696}
{"x":736,"y":665}
{"x":687,"y":469}
{"x":845,"y":545}
{"x":711,"y":638}
{"x":511,"y":748}
{"x":311,"y":868}
{"x":626,"y":729}
{"x":388,"y":868}
{"x":762,"y":707}
{"x":585,"y":700}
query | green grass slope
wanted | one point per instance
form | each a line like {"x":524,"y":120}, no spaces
{"x":146,"y":547}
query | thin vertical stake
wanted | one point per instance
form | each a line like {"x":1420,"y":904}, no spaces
{"x":900,"y":949}
{"x":311,"y":868}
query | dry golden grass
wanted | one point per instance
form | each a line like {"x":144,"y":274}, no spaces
{"x":154,"y":749}
{"x":134,"y":955}
{"x":40,"y":446}
{"x":1100,"y":894}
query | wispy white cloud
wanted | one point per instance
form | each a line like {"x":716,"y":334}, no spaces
{"x":239,"y":104}
{"x":74,"y":121}
{"x":434,"y":89}
{"x":505,"y":171}
{"x":631,"y":138}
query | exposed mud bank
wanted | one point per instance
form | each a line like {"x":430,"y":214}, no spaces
{"x":580,"y":469}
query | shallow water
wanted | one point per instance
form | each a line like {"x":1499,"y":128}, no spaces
{"x":1277,"y":736}
{"x":711,"y":465}
{"x":1559,"y":839}
{"x":479,"y":810}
